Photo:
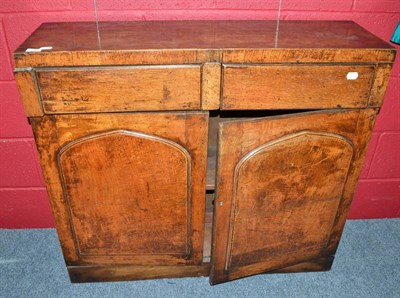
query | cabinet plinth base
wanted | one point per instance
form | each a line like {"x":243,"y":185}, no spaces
{"x":80,"y":274}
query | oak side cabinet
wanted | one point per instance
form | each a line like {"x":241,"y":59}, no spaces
{"x":201,"y":148}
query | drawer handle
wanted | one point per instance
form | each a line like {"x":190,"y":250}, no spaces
{"x":352,"y":75}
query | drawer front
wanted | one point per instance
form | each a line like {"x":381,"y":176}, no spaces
{"x":113,"y":89}
{"x":296,"y":86}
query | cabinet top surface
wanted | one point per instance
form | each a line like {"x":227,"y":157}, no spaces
{"x":158,"y":35}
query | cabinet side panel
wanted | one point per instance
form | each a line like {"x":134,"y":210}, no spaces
{"x":380,"y":84}
{"x":29,"y":95}
{"x":365,"y":124}
{"x":47,"y":143}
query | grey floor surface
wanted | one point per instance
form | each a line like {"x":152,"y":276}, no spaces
{"x":367,"y":264}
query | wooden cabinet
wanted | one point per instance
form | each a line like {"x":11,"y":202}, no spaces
{"x":201,"y":148}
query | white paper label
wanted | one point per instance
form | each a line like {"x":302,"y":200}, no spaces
{"x":32,"y":50}
{"x":352,"y":75}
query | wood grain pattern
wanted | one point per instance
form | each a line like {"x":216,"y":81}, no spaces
{"x":381,"y":82}
{"x":82,"y":36}
{"x":286,"y":194}
{"x":169,"y":56}
{"x":295,"y":86}
{"x":308,"y":55}
{"x":238,"y":138}
{"x":96,"y":58}
{"x":211,"y":86}
{"x":122,"y":202}
{"x":177,"y":42}
{"x":28,"y":93}
{"x":115,"y":89}
{"x":363,"y":132}
{"x":130,"y":272}
{"x":129,"y":191}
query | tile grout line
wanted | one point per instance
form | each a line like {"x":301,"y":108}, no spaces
{"x":18,"y":188}
{"x":7,"y":46}
{"x":97,"y":23}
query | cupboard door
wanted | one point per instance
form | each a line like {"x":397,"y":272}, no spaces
{"x":284,"y":185}
{"x":126,"y":188}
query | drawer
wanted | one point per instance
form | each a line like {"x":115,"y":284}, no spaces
{"x":256,"y":87}
{"x":113,"y":89}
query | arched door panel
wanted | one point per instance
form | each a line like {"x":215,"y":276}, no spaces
{"x":126,"y":188}
{"x":128,"y":193}
{"x":283,"y":189}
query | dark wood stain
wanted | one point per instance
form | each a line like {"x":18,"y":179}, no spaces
{"x":201,"y":34}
